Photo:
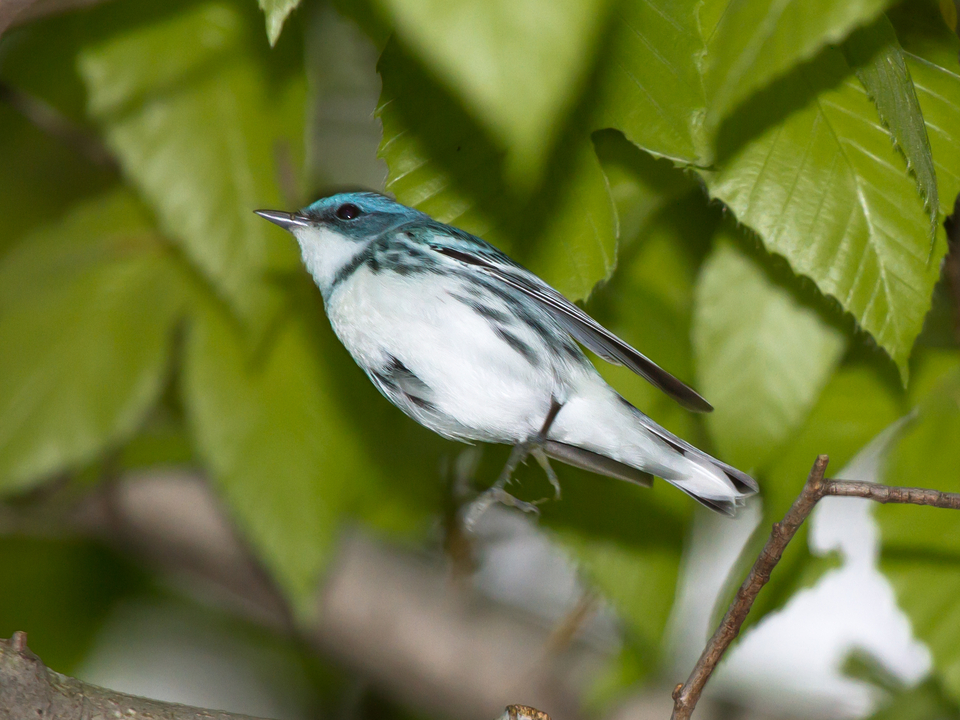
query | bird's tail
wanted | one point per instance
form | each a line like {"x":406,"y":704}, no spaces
{"x":606,"y":434}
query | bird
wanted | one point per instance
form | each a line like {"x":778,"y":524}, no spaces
{"x":473,"y":346}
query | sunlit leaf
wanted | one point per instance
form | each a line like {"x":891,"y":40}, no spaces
{"x":649,"y":83}
{"x":184,"y":107}
{"x":87,"y":309}
{"x":825,"y":188}
{"x":762,"y":357}
{"x":275,"y":13}
{"x":755,"y":41}
{"x":517,"y":65}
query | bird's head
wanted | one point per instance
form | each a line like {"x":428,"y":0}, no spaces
{"x":334,"y":230}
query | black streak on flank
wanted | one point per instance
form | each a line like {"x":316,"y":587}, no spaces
{"x":517,"y":344}
{"x":399,"y":378}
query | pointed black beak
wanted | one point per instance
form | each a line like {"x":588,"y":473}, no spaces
{"x":286,"y":220}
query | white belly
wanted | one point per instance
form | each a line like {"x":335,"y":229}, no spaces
{"x":477,"y":379}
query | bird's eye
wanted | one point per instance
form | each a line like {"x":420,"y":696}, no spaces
{"x":348,"y":211}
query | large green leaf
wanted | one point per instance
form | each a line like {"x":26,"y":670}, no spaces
{"x":517,"y":65}
{"x":755,"y":41}
{"x":921,"y":545}
{"x":649,"y":83}
{"x":880,"y":65}
{"x":87,"y":309}
{"x":184,"y":106}
{"x":762,"y":357}
{"x":440,"y":163}
{"x":825,"y":188}
{"x":268,"y":427}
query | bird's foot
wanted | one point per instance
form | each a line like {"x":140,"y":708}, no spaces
{"x":496,"y":493}
{"x":544,"y":461}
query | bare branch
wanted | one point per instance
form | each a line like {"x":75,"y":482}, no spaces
{"x":28,"y":688}
{"x":51,"y":121}
{"x":892,"y":494}
{"x":686,"y":695}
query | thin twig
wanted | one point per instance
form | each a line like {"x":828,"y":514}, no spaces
{"x":685,"y":696}
{"x":51,"y":121}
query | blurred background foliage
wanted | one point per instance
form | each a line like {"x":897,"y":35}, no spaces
{"x":753,"y":193}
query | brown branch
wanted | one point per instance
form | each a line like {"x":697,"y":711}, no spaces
{"x":686,"y":695}
{"x":29,"y":689}
{"x":51,"y":121}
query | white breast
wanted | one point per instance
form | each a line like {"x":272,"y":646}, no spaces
{"x":477,"y":378}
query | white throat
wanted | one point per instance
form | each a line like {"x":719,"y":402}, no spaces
{"x":325,"y":252}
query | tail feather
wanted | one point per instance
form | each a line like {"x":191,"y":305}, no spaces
{"x":626,"y":439}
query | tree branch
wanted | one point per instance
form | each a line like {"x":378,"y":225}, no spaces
{"x":686,"y":695}
{"x":29,"y":689}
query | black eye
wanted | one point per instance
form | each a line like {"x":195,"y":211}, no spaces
{"x":348,"y":211}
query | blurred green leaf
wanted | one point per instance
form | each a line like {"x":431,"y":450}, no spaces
{"x":89,"y":304}
{"x":518,"y":67}
{"x":185,"y":108}
{"x":41,"y":177}
{"x":275,"y":13}
{"x":641,"y":185}
{"x":639,"y":583}
{"x":649,"y":83}
{"x":59,"y":592}
{"x":924,"y":701}
{"x":343,"y":134}
{"x":440,"y":163}
{"x":921,"y":545}
{"x":268,"y":428}
{"x":853,"y":408}
{"x":751,"y":42}
{"x":878,"y":60}
{"x":762,"y":357}
{"x":825,"y":188}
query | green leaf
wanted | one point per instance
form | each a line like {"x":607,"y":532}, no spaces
{"x":649,"y":83}
{"x":932,"y":51}
{"x":825,"y":188}
{"x":275,"y":13}
{"x":755,"y":41}
{"x":921,"y":545}
{"x":440,"y":163}
{"x":878,"y":60}
{"x":184,"y":107}
{"x":89,"y":303}
{"x":517,"y":66}
{"x":281,"y":453}
{"x":762,"y":357}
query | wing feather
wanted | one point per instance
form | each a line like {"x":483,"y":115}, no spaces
{"x":583,"y":328}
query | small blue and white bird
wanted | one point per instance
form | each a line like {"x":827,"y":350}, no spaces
{"x":473,"y":346}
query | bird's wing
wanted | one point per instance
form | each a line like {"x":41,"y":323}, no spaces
{"x":583,"y":328}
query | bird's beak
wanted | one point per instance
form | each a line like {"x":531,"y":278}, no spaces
{"x":286,"y":220}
